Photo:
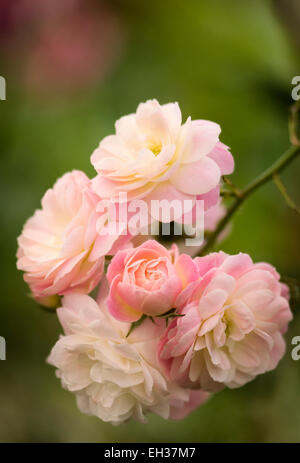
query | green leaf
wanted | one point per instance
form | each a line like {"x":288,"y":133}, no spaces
{"x":170,"y":314}
{"x":136,"y":324}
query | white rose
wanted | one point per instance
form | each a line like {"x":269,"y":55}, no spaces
{"x":113,"y":376}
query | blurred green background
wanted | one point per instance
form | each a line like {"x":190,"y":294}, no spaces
{"x":230,"y":61}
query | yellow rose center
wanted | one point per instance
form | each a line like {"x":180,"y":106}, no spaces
{"x":155,"y":148}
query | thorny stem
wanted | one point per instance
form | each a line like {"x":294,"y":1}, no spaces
{"x":269,"y":174}
{"x":263,"y":178}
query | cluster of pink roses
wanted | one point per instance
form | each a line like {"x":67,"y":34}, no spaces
{"x":165,"y":330}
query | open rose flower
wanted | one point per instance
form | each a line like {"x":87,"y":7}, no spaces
{"x":154,"y":156}
{"x":234,"y":317}
{"x":147,"y":280}
{"x":115,"y":377}
{"x":61,"y":249}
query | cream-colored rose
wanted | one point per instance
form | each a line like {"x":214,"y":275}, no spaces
{"x":154,"y":156}
{"x":113,"y":376}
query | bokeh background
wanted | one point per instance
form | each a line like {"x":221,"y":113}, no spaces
{"x":72,"y":68}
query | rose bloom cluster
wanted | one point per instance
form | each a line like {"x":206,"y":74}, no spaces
{"x":165,"y":331}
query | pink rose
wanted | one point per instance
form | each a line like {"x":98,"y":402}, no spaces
{"x":60,"y":248}
{"x":234,"y":318}
{"x":147,"y":280}
{"x":154,"y":156}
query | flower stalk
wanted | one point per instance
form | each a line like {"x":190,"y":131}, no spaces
{"x":269,"y":174}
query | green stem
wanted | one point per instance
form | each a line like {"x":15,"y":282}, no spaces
{"x":283,"y":191}
{"x":235,"y":191}
{"x":263,"y":178}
